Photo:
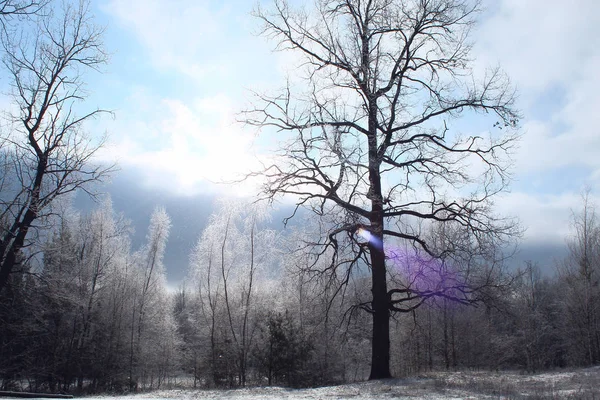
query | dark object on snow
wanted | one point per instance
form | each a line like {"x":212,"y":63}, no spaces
{"x":29,"y":395}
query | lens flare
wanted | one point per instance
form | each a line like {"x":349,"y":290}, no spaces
{"x":424,"y":273}
{"x":369,"y":237}
{"x":365,"y":234}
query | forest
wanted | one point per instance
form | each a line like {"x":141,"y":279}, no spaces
{"x":97,"y":315}
{"x":393,"y":260}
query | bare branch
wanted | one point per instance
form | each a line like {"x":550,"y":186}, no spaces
{"x":51,"y":155}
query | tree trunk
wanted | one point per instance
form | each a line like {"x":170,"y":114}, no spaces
{"x":9,"y":260}
{"x":445,"y":331}
{"x":380,"y":346}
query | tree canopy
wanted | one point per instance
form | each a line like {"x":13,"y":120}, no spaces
{"x":374,"y":140}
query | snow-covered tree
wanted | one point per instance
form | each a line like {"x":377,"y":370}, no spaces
{"x":231,"y":256}
{"x":152,"y":325}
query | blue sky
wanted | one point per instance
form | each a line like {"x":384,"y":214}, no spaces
{"x":181,"y":70}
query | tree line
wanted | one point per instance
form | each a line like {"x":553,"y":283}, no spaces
{"x":92,"y":315}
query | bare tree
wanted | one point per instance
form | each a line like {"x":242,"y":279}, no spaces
{"x":48,"y":154}
{"x":580,"y":273}
{"x":12,"y":8}
{"x":208,"y":285}
{"x":537,"y":338}
{"x":226,"y":264}
{"x":150,"y":295}
{"x":374,"y":145}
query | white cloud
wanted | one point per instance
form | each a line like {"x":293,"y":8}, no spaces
{"x":546,"y":218}
{"x":570,"y":137}
{"x":540,"y":42}
{"x":548,"y":48}
{"x":550,"y":51}
{"x":185,"y":148}
{"x":184,"y":143}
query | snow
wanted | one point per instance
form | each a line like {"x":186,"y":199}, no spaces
{"x":464,"y":385}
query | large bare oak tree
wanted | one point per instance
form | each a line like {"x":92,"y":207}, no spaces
{"x":374,"y":138}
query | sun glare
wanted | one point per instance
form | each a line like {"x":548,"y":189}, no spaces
{"x":365,"y":234}
{"x":369,"y":237}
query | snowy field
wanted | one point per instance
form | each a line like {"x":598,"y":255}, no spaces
{"x":578,"y":384}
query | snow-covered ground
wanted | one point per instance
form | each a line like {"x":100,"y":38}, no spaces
{"x":577,"y":384}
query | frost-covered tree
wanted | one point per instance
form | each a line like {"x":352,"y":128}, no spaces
{"x":537,"y":327}
{"x":85,"y":261}
{"x":226,"y":265}
{"x":580,"y":274}
{"x":152,"y":326}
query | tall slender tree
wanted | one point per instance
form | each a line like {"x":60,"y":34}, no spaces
{"x":149,"y":313}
